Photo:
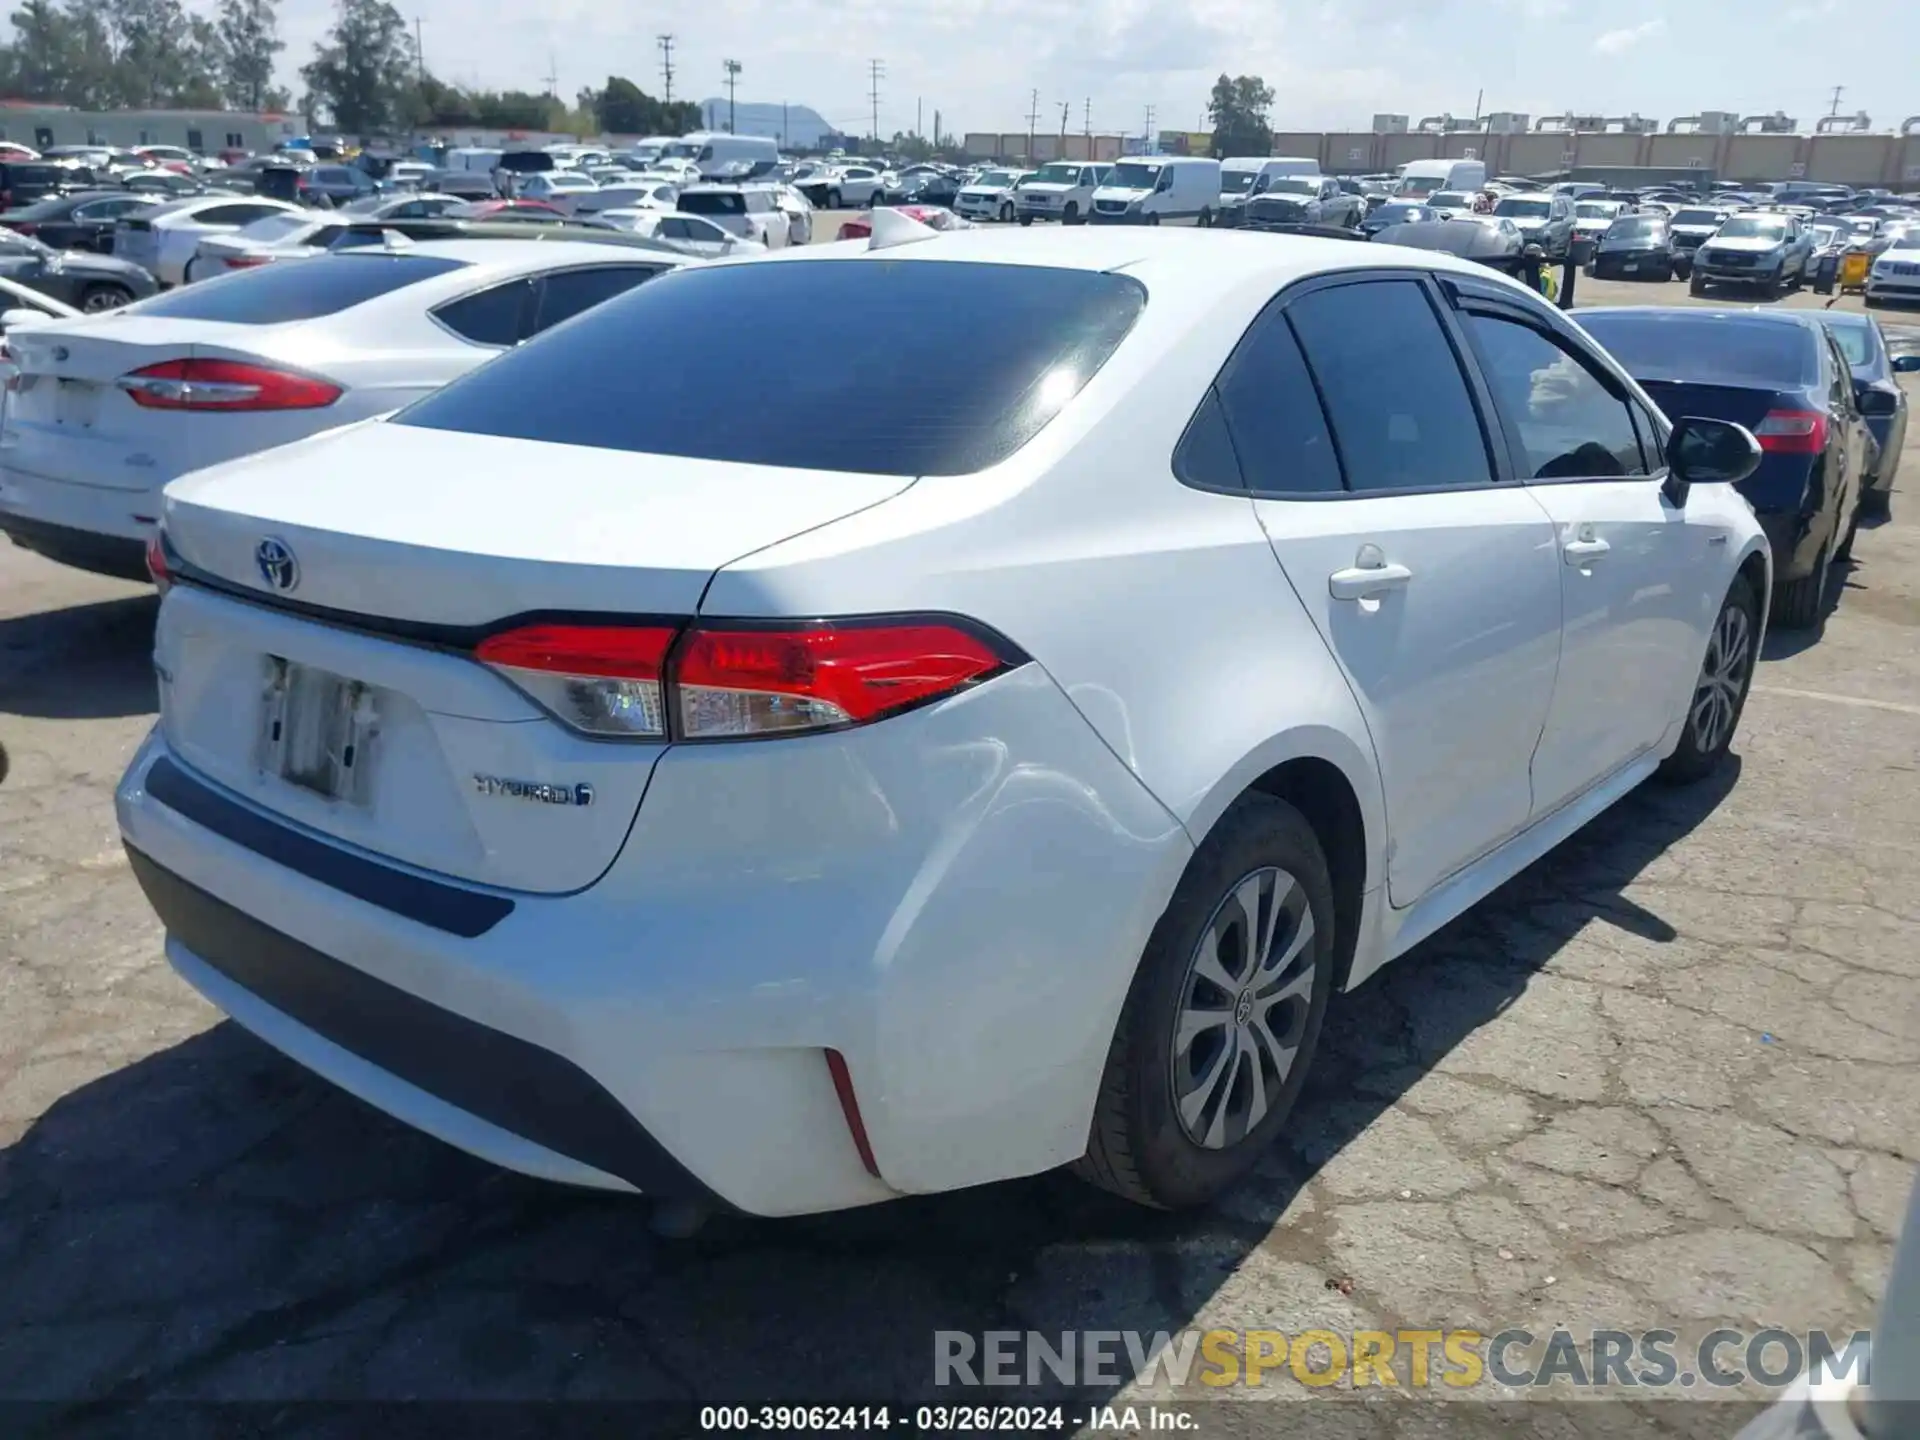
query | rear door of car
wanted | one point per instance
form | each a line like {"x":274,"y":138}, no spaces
{"x":1428,"y":569}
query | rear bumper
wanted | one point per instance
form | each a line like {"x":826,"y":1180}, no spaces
{"x":82,"y":549}
{"x":1630,"y":266}
{"x":960,"y":920}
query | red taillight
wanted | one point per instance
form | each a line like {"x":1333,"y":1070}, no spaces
{"x":225,"y":385}
{"x":157,"y":562}
{"x":730,"y":683}
{"x":761,"y":682}
{"x":1792,"y":432}
{"x":244,"y":262}
{"x":602,"y":679}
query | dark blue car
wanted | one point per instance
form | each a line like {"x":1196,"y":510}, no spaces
{"x":1881,"y":400}
{"x":1782,"y":375}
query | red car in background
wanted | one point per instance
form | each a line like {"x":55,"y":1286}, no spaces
{"x":861,"y":228}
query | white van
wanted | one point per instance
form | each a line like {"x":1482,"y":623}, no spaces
{"x":1159,"y":190}
{"x":1421,"y":178}
{"x":717,"y":153}
{"x":1244,"y":176}
{"x":1059,"y":190}
{"x":469,"y":157}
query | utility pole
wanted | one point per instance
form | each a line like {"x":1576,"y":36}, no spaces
{"x":1033,"y":121}
{"x":1147,"y":137}
{"x":783,"y":124}
{"x":419,"y":60}
{"x":1838,"y":91}
{"x":666,"y":67}
{"x":936,"y":129}
{"x":876,"y":72}
{"x":919,"y":117}
{"x":733,"y":71}
{"x":552,"y":78}
{"x":1089,"y":120}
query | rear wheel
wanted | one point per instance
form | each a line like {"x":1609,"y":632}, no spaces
{"x":1026,"y":220}
{"x":1225,"y":1011}
{"x":1796,"y":603}
{"x":105,"y":296}
{"x":1696,"y":286}
{"x":1845,"y":553}
{"x":833,"y":199}
{"x":1720,"y":695}
{"x":1876,"y":504}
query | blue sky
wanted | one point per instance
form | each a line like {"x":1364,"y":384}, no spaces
{"x":1333,"y":64}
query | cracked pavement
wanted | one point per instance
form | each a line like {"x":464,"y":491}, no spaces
{"x":1669,"y":1076}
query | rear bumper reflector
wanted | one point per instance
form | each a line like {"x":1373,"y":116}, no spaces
{"x":850,"y":1107}
{"x":499,"y":1078}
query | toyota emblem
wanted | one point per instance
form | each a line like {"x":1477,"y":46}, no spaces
{"x":276,"y":563}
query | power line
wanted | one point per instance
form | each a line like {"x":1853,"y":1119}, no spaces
{"x":733,"y":70}
{"x":666,"y":67}
{"x":876,"y":72}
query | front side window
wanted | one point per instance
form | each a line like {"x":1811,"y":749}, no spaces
{"x":1419,"y":432}
{"x":1566,"y":423}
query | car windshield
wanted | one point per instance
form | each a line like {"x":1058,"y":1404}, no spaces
{"x":1236,"y":182}
{"x":1056,"y":175}
{"x":1753,"y":227}
{"x":1699,"y":217}
{"x":1596,"y":209}
{"x":964,"y":404}
{"x":282,"y":294}
{"x":1295,"y":185}
{"x":1131,"y":175}
{"x":1637,"y":227}
{"x":1524,"y":209}
{"x":1854,"y":340}
{"x":1399,"y":214}
{"x":1695,"y":347}
{"x":997,"y":179}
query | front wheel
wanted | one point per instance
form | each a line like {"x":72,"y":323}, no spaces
{"x":1696,"y":286}
{"x":1006,"y":212}
{"x":1071,"y":214}
{"x":1221,"y":1023}
{"x":1720,"y":696}
{"x":1876,"y":504}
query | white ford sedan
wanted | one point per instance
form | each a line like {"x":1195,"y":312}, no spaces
{"x":655,"y":792}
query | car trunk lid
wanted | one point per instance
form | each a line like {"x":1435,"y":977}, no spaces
{"x":391,"y":551}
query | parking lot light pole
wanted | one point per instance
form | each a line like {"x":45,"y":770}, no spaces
{"x":733,"y":71}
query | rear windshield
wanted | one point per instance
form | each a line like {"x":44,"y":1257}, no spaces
{"x":279,"y":294}
{"x":1525,"y":209}
{"x":684,"y":366}
{"x":1753,"y":227}
{"x":1636,"y":227}
{"x":1704,"y":349}
{"x":1699,"y":217}
{"x":38,"y":174}
{"x":1852,"y":336}
{"x":714,"y":202}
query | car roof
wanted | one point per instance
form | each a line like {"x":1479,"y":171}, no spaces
{"x":1803,"y":320}
{"x":1532,"y":195}
{"x":1171,"y":259}
{"x":508,"y":257}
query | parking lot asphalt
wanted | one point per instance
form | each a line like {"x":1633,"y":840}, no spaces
{"x":1668,"y":1077}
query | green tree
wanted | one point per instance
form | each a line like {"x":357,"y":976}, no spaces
{"x":623,"y":108}
{"x":1238,"y":110}
{"x":365,"y":73}
{"x":248,"y":40}
{"x":42,"y":59}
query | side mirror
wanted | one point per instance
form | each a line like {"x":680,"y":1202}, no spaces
{"x":1875,"y":402}
{"x":1906,"y":364}
{"x":1708,"y":452}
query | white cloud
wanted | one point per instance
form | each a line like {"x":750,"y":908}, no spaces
{"x":1618,"y":42}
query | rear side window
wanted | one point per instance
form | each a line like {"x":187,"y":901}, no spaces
{"x":494,"y":316}
{"x":1420,"y":431}
{"x":688,"y":366}
{"x":727,"y":203}
{"x":1685,"y":345}
{"x":280,"y":294}
{"x":565,"y":293}
{"x":1273,"y":413}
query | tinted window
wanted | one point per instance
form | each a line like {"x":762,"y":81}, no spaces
{"x":565,"y":294}
{"x":730,"y":202}
{"x":1274,"y":415}
{"x":489,"y":317}
{"x":1856,"y":343}
{"x":1564,"y":421}
{"x":236,"y":214}
{"x":277,"y":294}
{"x":1704,"y":348}
{"x":1205,"y":454}
{"x":106,"y":209}
{"x":1419,"y":431}
{"x":684,"y":366}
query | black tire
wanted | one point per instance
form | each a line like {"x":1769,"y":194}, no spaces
{"x":1206,"y":219}
{"x":1696,"y":286}
{"x":1006,"y":212}
{"x":1138,"y":1146}
{"x":1872,"y":303}
{"x":1026,"y":220}
{"x":1797,"y":603}
{"x":1071,"y":214}
{"x":833,"y":199}
{"x":1876,"y":504}
{"x":1698,"y":753}
{"x":1153,"y":219}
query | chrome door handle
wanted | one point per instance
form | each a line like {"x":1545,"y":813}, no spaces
{"x":1584,"y":552}
{"x":1363,"y":581}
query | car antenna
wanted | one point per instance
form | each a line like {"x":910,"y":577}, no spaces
{"x":892,"y":227}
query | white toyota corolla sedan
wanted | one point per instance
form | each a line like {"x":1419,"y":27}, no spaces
{"x":612,"y":770}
